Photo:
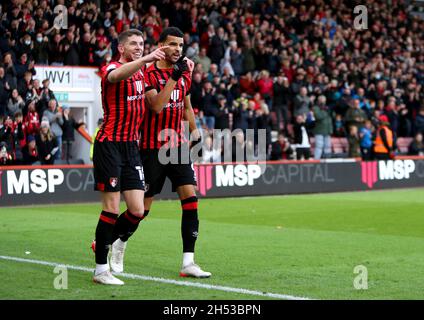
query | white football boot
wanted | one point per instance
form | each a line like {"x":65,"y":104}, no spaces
{"x":194,"y":271}
{"x":107,"y":278}
{"x":117,"y":256}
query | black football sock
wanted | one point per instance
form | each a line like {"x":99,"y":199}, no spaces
{"x":189,"y":223}
{"x":126,"y":225}
{"x":104,"y":235}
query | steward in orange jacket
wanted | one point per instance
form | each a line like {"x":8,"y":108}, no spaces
{"x":383,"y":143}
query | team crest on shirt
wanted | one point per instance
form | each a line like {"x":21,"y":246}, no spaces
{"x":162,"y":81}
{"x":113,"y":182}
{"x":139,"y":87}
{"x":175,"y":95}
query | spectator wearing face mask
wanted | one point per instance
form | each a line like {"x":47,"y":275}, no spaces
{"x":40,"y":51}
{"x":25,"y":45}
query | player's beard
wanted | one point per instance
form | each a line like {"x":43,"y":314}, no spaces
{"x":136,"y":55}
{"x":131,"y":56}
{"x":172,"y":59}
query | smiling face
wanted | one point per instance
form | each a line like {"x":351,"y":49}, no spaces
{"x":132,"y":48}
{"x":173,"y":53}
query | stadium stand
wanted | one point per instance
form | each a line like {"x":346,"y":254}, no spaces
{"x":262,"y":53}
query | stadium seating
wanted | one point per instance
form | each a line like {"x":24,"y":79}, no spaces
{"x":339,"y":147}
{"x":402,"y":145}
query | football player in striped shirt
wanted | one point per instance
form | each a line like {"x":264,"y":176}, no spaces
{"x":117,"y":165}
{"x":164,"y":130}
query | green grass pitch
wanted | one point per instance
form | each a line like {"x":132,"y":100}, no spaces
{"x":303,"y":246}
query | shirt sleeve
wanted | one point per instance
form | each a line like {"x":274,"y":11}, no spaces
{"x":188,"y":84}
{"x":108,"y":69}
{"x":150,"y":81}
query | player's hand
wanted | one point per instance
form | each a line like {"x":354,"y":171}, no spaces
{"x":190,"y":64}
{"x":195,"y":135}
{"x":158,"y":54}
{"x":179,"y":68}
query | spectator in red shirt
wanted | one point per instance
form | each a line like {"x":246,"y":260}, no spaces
{"x":288,"y":70}
{"x":100,"y":36}
{"x":281,"y":149}
{"x":247,"y":84}
{"x":265,"y":87}
{"x":32,"y":120}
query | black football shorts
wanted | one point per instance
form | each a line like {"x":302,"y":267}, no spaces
{"x":155,"y":173}
{"x":117,"y":166}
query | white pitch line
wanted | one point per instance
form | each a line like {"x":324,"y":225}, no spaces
{"x":163,"y":280}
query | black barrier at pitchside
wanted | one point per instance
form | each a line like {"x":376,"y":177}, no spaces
{"x":69,"y":184}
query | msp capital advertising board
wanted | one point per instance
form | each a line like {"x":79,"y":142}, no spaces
{"x":66,"y":184}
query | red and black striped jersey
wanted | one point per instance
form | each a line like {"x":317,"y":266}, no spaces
{"x":123,"y":106}
{"x":166,"y":126}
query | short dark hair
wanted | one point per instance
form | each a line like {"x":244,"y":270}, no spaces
{"x":123,"y":36}
{"x":171,"y":31}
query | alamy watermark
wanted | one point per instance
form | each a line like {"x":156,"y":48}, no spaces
{"x":61,"y":281}
{"x":61,"y":19}
{"x":231,"y":146}
{"x":360,"y":282}
{"x":361,"y":20}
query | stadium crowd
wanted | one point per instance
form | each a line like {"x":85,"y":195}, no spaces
{"x":299,"y":68}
